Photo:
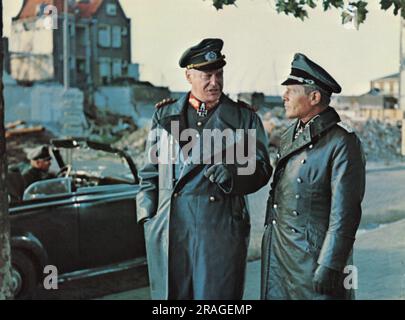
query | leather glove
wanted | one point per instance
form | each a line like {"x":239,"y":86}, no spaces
{"x":326,"y":281}
{"x":220,"y":174}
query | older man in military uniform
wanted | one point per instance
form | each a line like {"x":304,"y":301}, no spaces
{"x":40,"y":161}
{"x":314,"y":207}
{"x":195,"y":219}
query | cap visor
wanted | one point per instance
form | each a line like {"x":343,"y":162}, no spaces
{"x":212,"y":66}
{"x":290,"y":82}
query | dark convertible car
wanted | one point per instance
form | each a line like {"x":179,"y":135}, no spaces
{"x":83,"y":222}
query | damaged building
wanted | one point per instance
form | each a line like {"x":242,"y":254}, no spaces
{"x":99,"y":42}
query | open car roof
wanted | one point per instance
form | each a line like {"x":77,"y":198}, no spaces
{"x":78,"y":143}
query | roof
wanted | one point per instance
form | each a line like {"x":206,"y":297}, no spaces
{"x":86,"y":8}
{"x":29,"y":8}
{"x":394,"y":75}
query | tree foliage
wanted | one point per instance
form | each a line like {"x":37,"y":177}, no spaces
{"x":299,"y":8}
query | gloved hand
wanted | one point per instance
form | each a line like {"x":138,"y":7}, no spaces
{"x":220,"y":174}
{"x":326,"y":280}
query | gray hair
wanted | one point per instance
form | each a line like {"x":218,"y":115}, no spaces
{"x":325,"y":96}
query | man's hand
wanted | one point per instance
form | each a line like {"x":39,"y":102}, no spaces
{"x":219,"y":174}
{"x":326,"y":280}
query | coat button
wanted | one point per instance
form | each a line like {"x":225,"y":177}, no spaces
{"x":299,"y":180}
{"x":311,"y":146}
{"x":274,"y":222}
{"x":199,"y":123}
{"x":212,"y":198}
{"x":275,"y":206}
{"x":303,"y":161}
{"x":197,"y":135}
{"x":297,"y":196}
{"x":278,"y":155}
{"x":293,"y":230}
{"x":295,"y":213}
{"x":175,"y":195}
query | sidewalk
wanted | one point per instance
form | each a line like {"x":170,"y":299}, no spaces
{"x":379,"y":256}
{"x":252,"y":287}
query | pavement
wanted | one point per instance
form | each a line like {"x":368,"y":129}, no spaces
{"x":379,"y":257}
{"x":379,"y":252}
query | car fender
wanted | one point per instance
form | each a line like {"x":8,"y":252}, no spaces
{"x":32,"y":245}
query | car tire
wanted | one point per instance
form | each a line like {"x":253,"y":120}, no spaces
{"x":24,"y":275}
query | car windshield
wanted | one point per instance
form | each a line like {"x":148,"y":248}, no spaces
{"x":97,"y":163}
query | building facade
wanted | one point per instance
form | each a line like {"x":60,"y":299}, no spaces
{"x":99,"y":42}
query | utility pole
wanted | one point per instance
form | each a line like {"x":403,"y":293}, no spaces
{"x":66,"y":46}
{"x":401,"y":98}
{"x":5,"y":252}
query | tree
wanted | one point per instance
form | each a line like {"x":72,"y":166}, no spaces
{"x":298,"y":8}
{"x":5,"y":276}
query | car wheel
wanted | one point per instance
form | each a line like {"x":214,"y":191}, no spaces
{"x":23,"y":274}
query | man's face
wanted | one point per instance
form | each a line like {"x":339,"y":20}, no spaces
{"x":206,"y":85}
{"x":297,"y":104}
{"x":42,"y":164}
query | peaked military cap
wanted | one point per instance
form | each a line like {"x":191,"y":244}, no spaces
{"x":38,"y":153}
{"x":305,"y":71}
{"x":204,"y":56}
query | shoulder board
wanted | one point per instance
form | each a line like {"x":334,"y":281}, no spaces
{"x":345,"y":126}
{"x":243,"y":104}
{"x":165,"y":102}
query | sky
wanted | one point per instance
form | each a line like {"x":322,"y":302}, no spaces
{"x":259,"y":44}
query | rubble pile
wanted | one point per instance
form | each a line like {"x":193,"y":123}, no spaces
{"x":108,"y":127}
{"x":20,"y":136}
{"x":381,"y":140}
{"x":275,"y":124}
{"x":134,"y":144}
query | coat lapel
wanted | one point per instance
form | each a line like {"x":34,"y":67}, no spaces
{"x":175,"y":114}
{"x":325,"y":121}
{"x":289,"y":146}
{"x":224,"y":117}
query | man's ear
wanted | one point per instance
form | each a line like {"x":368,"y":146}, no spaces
{"x":315,"y":98}
{"x":188,"y":76}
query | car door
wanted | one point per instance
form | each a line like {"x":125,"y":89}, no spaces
{"x":108,"y":231}
{"x":52,"y":219}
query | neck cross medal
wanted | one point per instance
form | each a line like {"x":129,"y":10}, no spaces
{"x":202,"y":110}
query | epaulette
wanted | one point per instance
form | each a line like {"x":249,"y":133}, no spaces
{"x":345,"y":126}
{"x":247,"y":106}
{"x":165,"y":102}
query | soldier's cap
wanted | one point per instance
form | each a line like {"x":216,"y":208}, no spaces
{"x":39,"y":153}
{"x":205,"y":56}
{"x":306,"y":72}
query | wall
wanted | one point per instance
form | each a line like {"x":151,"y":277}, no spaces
{"x":136,"y":101}
{"x":31,"y":50}
{"x":47,"y":105}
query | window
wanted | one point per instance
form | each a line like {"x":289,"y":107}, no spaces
{"x":104,"y":36}
{"x":81,"y":36}
{"x":117,"y":68}
{"x":124,"y":31}
{"x":81,"y":66}
{"x":111,"y":9}
{"x":105,"y":68}
{"x":48,"y":188}
{"x":116,"y":37}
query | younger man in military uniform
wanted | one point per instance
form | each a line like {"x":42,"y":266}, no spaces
{"x":195,"y":219}
{"x":314,"y":207}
